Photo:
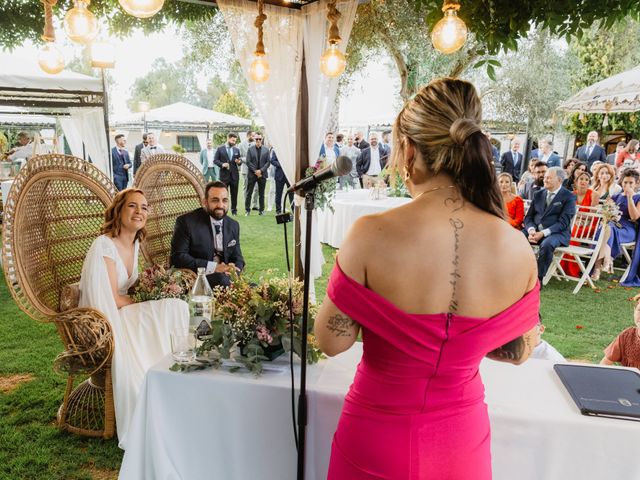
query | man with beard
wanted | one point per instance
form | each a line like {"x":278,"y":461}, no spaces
{"x":207,"y":238}
{"x":531,"y":188}
{"x":227,"y":158}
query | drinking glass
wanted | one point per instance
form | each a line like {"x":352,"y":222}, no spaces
{"x":183,"y":345}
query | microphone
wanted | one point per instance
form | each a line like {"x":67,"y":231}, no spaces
{"x":342,"y":166}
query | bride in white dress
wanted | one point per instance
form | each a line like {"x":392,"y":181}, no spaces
{"x":140,"y":330}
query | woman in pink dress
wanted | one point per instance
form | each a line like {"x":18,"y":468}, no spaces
{"x":433,"y":286}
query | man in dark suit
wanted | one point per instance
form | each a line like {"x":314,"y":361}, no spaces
{"x":120,"y":162}
{"x":227,"y":157}
{"x":258,"y":165}
{"x":371,"y":161}
{"x":281,"y":182}
{"x":137,"y":155}
{"x":547,"y":155}
{"x":207,"y":238}
{"x":511,"y":161}
{"x":548,"y":221}
{"x":359,"y":141}
{"x":591,"y":152}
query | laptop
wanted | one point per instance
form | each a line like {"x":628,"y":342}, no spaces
{"x":601,"y":391}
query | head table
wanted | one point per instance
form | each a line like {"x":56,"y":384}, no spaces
{"x":214,"y":424}
{"x":348,"y":206}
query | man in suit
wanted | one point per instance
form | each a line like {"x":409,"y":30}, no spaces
{"x":210,"y":170}
{"x":258,"y":164}
{"x":591,"y":151}
{"x":371,"y":161}
{"x":511,"y":161}
{"x":281,"y":182}
{"x":120,"y":162}
{"x":547,"y":155}
{"x":227,"y":158}
{"x":360,"y":142}
{"x":529,"y":189}
{"x":137,"y":155}
{"x":152,"y":148}
{"x":548,"y":221}
{"x":207,"y":238}
{"x":612,"y":157}
{"x":329,"y":150}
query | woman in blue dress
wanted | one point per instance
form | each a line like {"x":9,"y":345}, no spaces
{"x":629,"y":204}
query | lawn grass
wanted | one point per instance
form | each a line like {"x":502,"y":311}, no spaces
{"x":33,"y":448}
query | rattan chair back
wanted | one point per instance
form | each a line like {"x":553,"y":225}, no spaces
{"x":173,"y":186}
{"x":54,"y":212}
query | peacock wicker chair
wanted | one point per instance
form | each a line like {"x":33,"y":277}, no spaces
{"x":173,"y":185}
{"x":53,"y":213}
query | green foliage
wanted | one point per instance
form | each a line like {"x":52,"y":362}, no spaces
{"x":325,"y":191}
{"x":603,"y":53}
{"x":178,"y":149}
{"x":231,"y":104}
{"x":581,"y":125}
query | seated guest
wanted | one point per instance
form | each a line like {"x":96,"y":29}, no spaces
{"x":569,"y":165}
{"x":531,"y":188}
{"x":611,"y":158}
{"x":23,"y":150}
{"x":207,"y":237}
{"x":629,"y":154}
{"x":543,"y":350}
{"x":527,"y":176}
{"x":548,"y":221}
{"x":569,"y":181}
{"x":625,"y":229}
{"x":604,"y":182}
{"x":513,"y":204}
{"x":585,"y":199}
{"x":625,"y":349}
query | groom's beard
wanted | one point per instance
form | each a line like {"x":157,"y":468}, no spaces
{"x":217,"y":213}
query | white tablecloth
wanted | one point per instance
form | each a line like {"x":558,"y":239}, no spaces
{"x":348,"y":207}
{"x":6,"y":186}
{"x":218,"y":425}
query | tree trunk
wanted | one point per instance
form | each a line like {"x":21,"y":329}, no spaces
{"x":461,"y":65}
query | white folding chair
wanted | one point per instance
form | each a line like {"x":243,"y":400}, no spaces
{"x":527,"y":204}
{"x":587,"y":234}
{"x":627,"y":250}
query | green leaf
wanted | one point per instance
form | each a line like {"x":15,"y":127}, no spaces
{"x":479,"y":64}
{"x":491,"y":72}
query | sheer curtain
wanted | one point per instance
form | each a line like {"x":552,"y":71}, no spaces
{"x":322,"y":89}
{"x":277,"y":98}
{"x":72,"y":134}
{"x":90,"y":123}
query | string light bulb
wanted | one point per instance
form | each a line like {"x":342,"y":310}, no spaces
{"x":259,"y":69}
{"x":142,"y":8}
{"x":50,"y":58}
{"x":80,"y":24}
{"x":450,"y":33}
{"x":333,"y":61}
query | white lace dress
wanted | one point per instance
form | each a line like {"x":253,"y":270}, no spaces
{"x":141,"y":330}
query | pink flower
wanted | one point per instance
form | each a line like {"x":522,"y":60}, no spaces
{"x":263,"y":334}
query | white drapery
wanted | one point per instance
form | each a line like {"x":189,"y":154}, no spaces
{"x":72,"y":134}
{"x":89,"y":122}
{"x":322,"y":89}
{"x":277,"y":98}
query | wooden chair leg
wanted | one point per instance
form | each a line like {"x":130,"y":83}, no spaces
{"x":109,"y":410}
{"x":62,"y":411}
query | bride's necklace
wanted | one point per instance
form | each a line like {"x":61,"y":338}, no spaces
{"x":432,"y":190}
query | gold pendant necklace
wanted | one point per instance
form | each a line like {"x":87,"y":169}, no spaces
{"x":433,"y":190}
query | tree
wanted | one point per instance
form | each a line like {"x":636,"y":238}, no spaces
{"x":167,"y":83}
{"x":231,"y":104}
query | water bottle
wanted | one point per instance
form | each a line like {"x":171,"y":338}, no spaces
{"x":200,"y":306}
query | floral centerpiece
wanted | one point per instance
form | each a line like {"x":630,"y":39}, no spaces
{"x":252,"y":323}
{"x":156,"y":283}
{"x":324,"y":191}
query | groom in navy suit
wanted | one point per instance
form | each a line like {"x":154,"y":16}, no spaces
{"x":227,"y":158}
{"x":120,"y":162}
{"x":207,"y":238}
{"x":548,"y":221}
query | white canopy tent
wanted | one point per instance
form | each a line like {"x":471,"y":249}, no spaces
{"x":179,"y":117}
{"x":617,"y":94}
{"x":76,"y":99}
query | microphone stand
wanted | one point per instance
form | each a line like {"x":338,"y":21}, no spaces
{"x":309,"y":205}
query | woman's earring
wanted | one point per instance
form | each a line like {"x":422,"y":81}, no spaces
{"x":407,"y":173}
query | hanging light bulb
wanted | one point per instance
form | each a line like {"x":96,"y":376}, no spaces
{"x":50,"y":58}
{"x":80,"y":24}
{"x":142,"y":8}
{"x":259,"y":69}
{"x":333,"y":61}
{"x":450,"y":33}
